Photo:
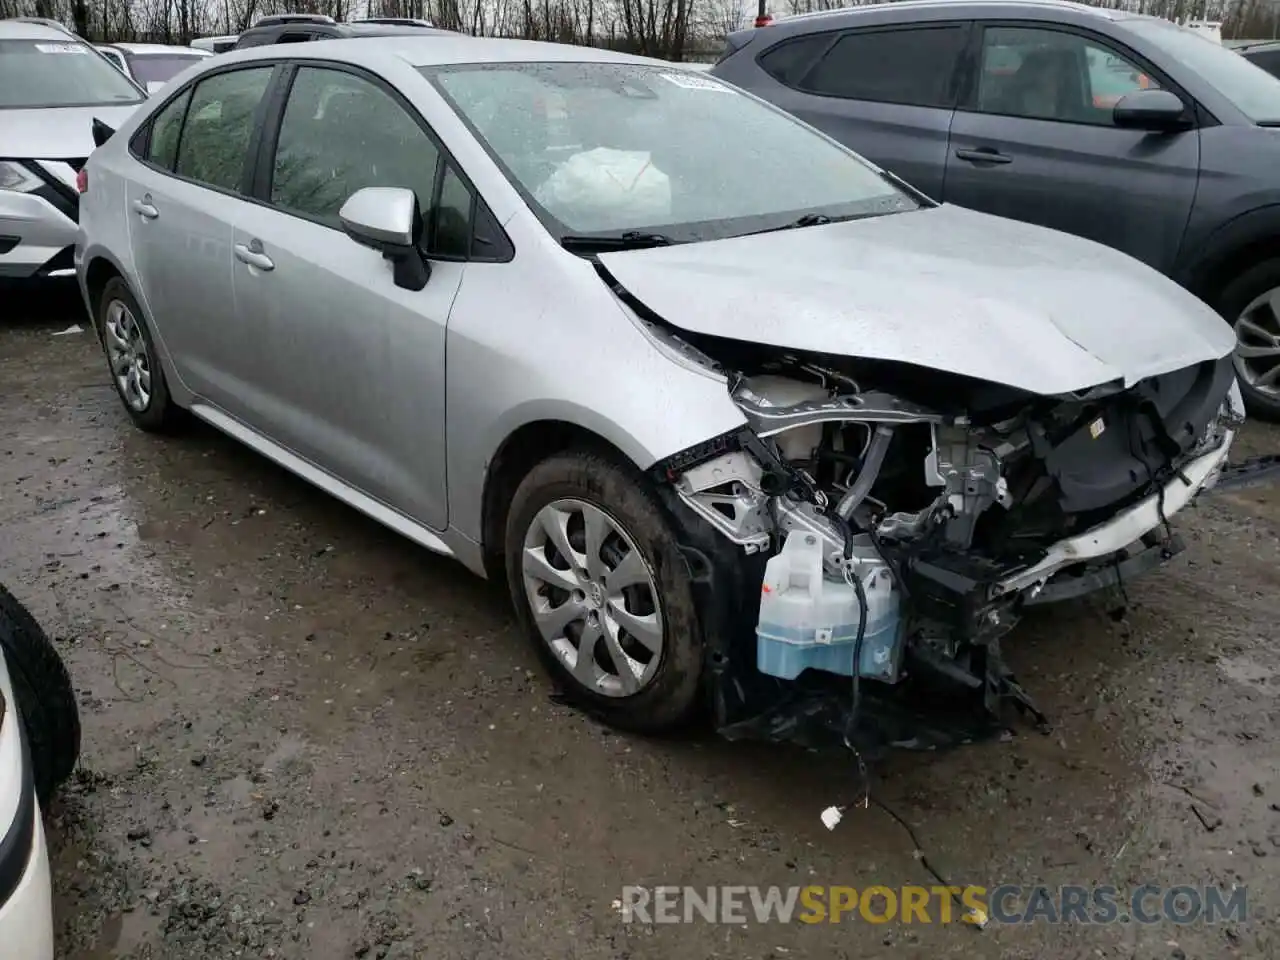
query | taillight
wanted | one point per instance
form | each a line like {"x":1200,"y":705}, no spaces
{"x":764,"y":20}
{"x":82,"y":181}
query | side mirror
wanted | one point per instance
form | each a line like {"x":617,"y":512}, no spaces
{"x":387,"y":220}
{"x":1155,"y":110}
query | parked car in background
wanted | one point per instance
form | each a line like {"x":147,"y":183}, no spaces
{"x":1265,"y":54}
{"x":216,"y":44}
{"x":39,"y":746}
{"x":151,"y":65}
{"x":302,"y":27}
{"x":1124,"y":129}
{"x":614,"y":331}
{"x":52,"y":86}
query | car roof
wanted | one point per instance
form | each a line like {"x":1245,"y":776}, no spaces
{"x":350,"y":29}
{"x":393,"y":30}
{"x":419,"y":48}
{"x":20,"y":30}
{"x":906,"y":5}
{"x":169,"y":48}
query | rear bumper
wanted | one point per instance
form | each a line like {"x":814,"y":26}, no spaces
{"x":36,"y":238}
{"x":26,"y":918}
{"x":26,"y":909}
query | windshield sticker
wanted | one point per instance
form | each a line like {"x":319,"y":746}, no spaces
{"x":691,"y":81}
{"x":61,"y":47}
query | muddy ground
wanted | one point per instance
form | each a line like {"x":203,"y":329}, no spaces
{"x":306,"y":738}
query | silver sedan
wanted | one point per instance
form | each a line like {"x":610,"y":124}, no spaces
{"x":740,"y":418}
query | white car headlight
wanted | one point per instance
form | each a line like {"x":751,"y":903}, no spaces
{"x":16,"y":177}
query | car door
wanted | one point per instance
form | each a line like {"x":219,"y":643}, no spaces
{"x":180,"y":209}
{"x":1033,"y":139}
{"x":885,"y":92}
{"x":353,"y":367}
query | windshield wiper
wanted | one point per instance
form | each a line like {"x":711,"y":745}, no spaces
{"x":628,"y":240}
{"x":811,"y":220}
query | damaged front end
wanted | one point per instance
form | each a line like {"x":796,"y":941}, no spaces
{"x":874,"y":530}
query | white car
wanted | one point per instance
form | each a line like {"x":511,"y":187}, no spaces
{"x":39,"y":744}
{"x":151,"y":65}
{"x":219,"y":44}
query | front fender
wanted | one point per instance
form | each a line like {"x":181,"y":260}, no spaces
{"x":1210,"y":258}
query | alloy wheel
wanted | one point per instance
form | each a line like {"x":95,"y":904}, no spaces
{"x":129,"y":356}
{"x":1257,"y":356}
{"x":594,"y":597}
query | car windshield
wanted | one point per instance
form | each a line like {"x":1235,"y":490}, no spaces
{"x":59,"y":73}
{"x":159,"y":67}
{"x":1252,"y":90}
{"x":612,"y":149}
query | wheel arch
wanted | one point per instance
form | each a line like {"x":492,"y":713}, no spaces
{"x":1236,"y":246}
{"x":99,"y":270}
{"x":521,"y":450}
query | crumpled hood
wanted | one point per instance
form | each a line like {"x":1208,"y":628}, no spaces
{"x":945,"y":288}
{"x":55,"y":133}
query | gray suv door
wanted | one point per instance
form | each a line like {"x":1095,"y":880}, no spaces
{"x":1033,"y":139}
{"x":886,"y":92}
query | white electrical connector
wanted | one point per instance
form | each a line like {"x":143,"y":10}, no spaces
{"x":831,"y":817}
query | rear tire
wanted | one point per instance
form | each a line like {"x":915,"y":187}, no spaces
{"x":619,"y":630}
{"x":46,"y":699}
{"x":1243,"y":304}
{"x":133,"y":360}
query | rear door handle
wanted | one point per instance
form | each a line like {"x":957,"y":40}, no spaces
{"x":145,"y":208}
{"x":983,"y":155}
{"x":252,"y":254}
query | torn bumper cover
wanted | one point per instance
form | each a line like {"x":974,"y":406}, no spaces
{"x":1108,"y":539}
{"x":892,"y":547}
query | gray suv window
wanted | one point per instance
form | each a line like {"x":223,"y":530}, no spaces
{"x":1052,"y":75}
{"x":341,"y":132}
{"x":215,"y":138}
{"x":909,"y":66}
{"x":788,"y":61}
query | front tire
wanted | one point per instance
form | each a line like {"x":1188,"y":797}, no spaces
{"x":133,"y":360}
{"x":1251,"y":304}
{"x":46,"y":699}
{"x":602,"y":590}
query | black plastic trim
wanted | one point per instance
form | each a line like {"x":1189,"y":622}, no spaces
{"x":61,"y":197}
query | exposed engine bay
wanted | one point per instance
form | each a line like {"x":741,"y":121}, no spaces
{"x":900,"y":520}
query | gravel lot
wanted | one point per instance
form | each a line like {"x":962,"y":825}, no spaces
{"x":306,"y":738}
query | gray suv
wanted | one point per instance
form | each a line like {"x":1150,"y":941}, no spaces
{"x":1124,"y":129}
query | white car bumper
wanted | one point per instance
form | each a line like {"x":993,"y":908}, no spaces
{"x":26,"y":918}
{"x":26,"y":904}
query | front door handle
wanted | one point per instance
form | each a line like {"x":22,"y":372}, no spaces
{"x":145,"y":208}
{"x":983,"y":155}
{"x":252,"y":254}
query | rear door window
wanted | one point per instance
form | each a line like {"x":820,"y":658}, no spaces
{"x":914,"y":66}
{"x":214,"y":147}
{"x":166,"y":130}
{"x":788,"y":61}
{"x":1268,"y":60}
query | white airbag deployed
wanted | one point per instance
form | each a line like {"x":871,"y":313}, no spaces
{"x":600,"y":188}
